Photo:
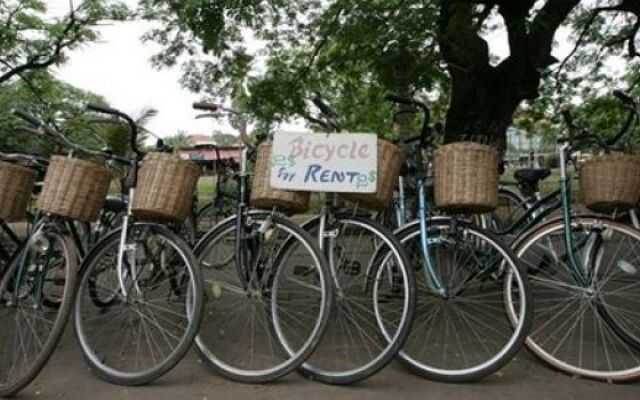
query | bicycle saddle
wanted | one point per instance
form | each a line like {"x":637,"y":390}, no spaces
{"x":532,"y":175}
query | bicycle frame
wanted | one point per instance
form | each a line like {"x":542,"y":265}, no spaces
{"x":537,"y":211}
{"x":22,"y":252}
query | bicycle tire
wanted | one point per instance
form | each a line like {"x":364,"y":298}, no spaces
{"x":387,"y":245}
{"x":63,"y":311}
{"x":208,"y":339}
{"x":612,"y":359}
{"x":193,"y":304}
{"x":465,"y":364}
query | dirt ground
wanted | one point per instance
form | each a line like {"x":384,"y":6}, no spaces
{"x":67,"y":377}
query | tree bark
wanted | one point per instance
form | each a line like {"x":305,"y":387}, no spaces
{"x":484,"y":97}
{"x":403,"y":66}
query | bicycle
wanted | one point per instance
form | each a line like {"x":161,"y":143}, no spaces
{"x":461,"y":332}
{"x":257,"y":296}
{"x":582,"y":275}
{"x":37,"y":284}
{"x":374,"y":284}
{"x":152,"y":283}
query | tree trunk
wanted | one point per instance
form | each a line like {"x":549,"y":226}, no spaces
{"x":484,"y":97}
{"x":403,"y":65}
{"x":482,"y":107}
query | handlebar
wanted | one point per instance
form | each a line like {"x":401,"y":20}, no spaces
{"x":204,"y":106}
{"x":42,"y":129}
{"x":426,"y":129}
{"x":133,"y":126}
{"x":625,"y":98}
{"x":585,"y":136}
{"x":322,"y":106}
{"x":34,"y":161}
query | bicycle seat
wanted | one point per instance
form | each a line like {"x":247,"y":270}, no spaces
{"x":114,"y":204}
{"x":532,"y":175}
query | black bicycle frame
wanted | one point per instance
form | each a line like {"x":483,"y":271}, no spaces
{"x":553,"y":202}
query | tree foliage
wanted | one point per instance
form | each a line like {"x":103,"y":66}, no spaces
{"x":55,"y":102}
{"x":30,"y":40}
{"x":352,"y":51}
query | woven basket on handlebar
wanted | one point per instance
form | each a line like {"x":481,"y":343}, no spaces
{"x":266,"y":197}
{"x":610,"y":182}
{"x":166,"y":184}
{"x":390,"y":159}
{"x":74,"y":188}
{"x":16,"y":186}
{"x":466,"y":177}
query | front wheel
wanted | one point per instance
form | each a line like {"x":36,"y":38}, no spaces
{"x":461,"y":332}
{"x":375,"y":301}
{"x":42,"y":271}
{"x":279,"y":292}
{"x":154,"y":308}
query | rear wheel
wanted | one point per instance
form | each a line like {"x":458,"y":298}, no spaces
{"x":590,"y":330}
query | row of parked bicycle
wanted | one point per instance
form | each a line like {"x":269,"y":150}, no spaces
{"x":451,"y":284}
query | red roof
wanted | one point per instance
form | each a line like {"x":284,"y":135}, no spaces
{"x":200,"y":140}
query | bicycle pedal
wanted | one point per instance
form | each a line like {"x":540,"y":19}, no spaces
{"x":302,"y":270}
{"x":331,"y":233}
{"x":627,"y":267}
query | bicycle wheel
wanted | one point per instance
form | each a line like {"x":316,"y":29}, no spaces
{"x":140,"y":335}
{"x":373,"y":282}
{"x":511,"y":208}
{"x":464,"y":334}
{"x":31,"y":330}
{"x":587,"y":330}
{"x":282,"y":290}
{"x":213,"y":213}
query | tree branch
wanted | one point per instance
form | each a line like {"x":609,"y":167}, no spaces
{"x":67,"y":38}
{"x":544,"y":27}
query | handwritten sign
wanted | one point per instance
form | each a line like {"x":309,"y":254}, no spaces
{"x":320,"y":162}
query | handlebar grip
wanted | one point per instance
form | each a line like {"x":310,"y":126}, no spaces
{"x":398,"y":99}
{"x":101,"y":109}
{"x":322,"y":106}
{"x":204,"y":106}
{"x":35,"y":122}
{"x":624,"y":98}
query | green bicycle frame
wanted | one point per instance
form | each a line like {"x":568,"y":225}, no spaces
{"x":565,"y":192}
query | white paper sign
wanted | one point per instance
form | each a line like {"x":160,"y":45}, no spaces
{"x":320,"y":162}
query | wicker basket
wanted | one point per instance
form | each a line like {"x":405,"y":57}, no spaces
{"x":390,"y":159}
{"x":16,"y":186}
{"x":466,"y":177}
{"x":74,"y":188}
{"x":610,"y":182}
{"x":166,"y":184}
{"x":266,"y":197}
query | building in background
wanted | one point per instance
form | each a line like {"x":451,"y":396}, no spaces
{"x":206,"y":153}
